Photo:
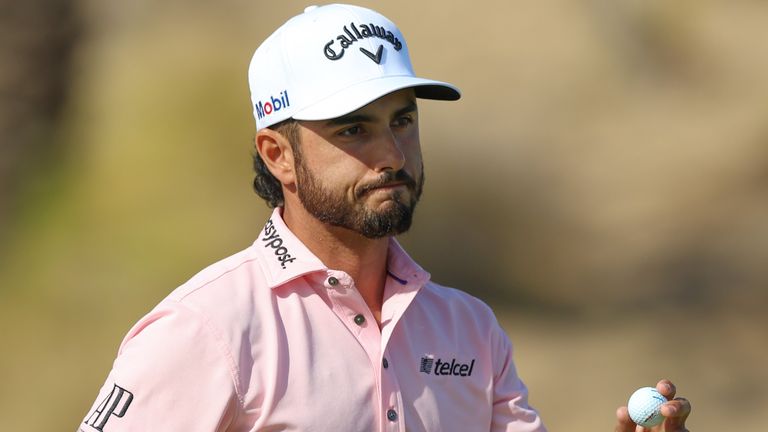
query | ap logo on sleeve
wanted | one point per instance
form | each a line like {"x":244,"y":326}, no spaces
{"x":115,"y":404}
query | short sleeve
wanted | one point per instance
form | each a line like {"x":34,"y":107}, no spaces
{"x":173,"y":373}
{"x":511,"y":412}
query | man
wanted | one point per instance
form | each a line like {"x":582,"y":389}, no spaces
{"x":325,"y":323}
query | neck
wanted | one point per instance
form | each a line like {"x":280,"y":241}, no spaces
{"x":363,"y":259}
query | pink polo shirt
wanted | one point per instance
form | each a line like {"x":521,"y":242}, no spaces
{"x":270,"y":339}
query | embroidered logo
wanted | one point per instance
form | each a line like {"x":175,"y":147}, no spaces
{"x":426,"y":365}
{"x":274,"y":104}
{"x":375,"y":57}
{"x":272,"y":240}
{"x":445,"y":368}
{"x":115,"y":404}
{"x":356,"y":32}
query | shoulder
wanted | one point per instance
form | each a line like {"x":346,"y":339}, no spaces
{"x":453,"y":305}
{"x":201,"y":320}
{"x":225,"y":292}
{"x":231,"y":296}
{"x":454,"y":299}
{"x":197,"y":302}
{"x":219,"y":301}
{"x":235,"y":272}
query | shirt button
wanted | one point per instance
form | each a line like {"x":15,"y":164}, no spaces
{"x":332,"y":281}
{"x":392,"y":415}
{"x":359,"y":319}
{"x":385,"y":363}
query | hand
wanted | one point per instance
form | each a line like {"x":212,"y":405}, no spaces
{"x":676,"y":410}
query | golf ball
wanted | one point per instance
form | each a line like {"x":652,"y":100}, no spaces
{"x":644,"y":407}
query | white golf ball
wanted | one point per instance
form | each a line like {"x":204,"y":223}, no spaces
{"x":644,"y":407}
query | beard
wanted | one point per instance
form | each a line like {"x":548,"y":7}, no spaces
{"x":334,"y":207}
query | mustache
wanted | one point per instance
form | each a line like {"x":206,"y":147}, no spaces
{"x":388,"y":177}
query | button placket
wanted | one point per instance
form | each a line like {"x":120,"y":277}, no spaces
{"x":391,"y":400}
{"x":349,"y":306}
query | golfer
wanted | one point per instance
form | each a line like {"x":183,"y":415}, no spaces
{"x":325,"y":323}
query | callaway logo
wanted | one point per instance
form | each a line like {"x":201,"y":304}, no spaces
{"x":272,"y":105}
{"x":445,"y":368}
{"x":273,"y":240}
{"x":355,"y":33}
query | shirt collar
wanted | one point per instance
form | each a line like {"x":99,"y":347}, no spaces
{"x":284,"y":257}
{"x":402,"y":268}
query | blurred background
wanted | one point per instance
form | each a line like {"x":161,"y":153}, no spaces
{"x":603,"y":184}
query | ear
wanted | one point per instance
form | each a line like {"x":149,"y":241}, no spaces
{"x":277,"y":154}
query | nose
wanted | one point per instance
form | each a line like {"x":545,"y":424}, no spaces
{"x":389,"y":155}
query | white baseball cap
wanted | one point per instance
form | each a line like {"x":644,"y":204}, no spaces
{"x":330,"y":61}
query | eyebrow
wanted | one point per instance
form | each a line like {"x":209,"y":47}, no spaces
{"x":362,"y":118}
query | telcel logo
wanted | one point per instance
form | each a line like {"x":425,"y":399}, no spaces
{"x":264,"y":109}
{"x":446,"y":368}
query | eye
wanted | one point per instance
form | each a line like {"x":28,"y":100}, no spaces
{"x":351,"y":131}
{"x":403,"y":121}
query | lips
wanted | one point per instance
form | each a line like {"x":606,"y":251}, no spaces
{"x":385,"y":186}
{"x":390,"y":185}
{"x":390,"y":180}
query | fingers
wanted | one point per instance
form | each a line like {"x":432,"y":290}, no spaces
{"x":676,"y":412}
{"x":624,"y":423}
{"x":666,"y":388}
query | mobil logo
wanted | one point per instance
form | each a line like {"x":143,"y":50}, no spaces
{"x":274,"y":104}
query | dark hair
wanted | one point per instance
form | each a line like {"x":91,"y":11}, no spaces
{"x":265,"y":184}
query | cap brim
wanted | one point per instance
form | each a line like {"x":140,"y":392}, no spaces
{"x":361,"y":94}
